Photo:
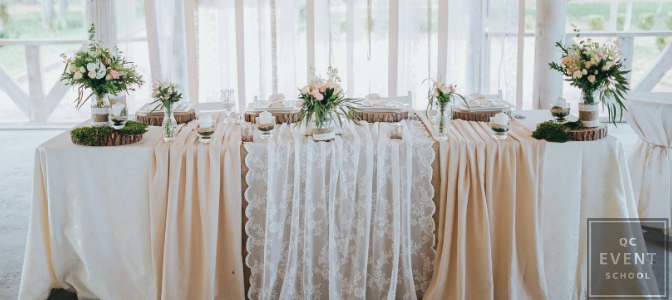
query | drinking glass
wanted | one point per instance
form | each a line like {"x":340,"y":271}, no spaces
{"x":226,"y":96}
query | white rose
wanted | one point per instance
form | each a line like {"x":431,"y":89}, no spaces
{"x":78,"y":75}
{"x":588,"y":64}
{"x":92,"y":74}
{"x":82,"y":70}
{"x":585,"y":72}
{"x":591,"y":78}
{"x":108,"y":77}
{"x":577,"y":74}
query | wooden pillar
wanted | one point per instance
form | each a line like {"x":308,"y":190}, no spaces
{"x":551,"y":16}
{"x":103,"y":14}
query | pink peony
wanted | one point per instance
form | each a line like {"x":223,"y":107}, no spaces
{"x":115,"y":74}
{"x":318,"y":96}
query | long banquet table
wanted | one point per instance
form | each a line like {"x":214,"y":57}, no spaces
{"x":155,"y":220}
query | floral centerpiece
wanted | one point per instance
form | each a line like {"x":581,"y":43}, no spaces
{"x":324,"y":102}
{"x":165,"y":94}
{"x":102,"y":72}
{"x":598,"y":72}
{"x":442,"y":95}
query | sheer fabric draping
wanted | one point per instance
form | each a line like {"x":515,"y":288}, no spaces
{"x":651,"y":159}
{"x":514,"y":223}
{"x":265,"y":47}
{"x":196,"y":193}
{"x":351,"y":218}
{"x":489,"y":222}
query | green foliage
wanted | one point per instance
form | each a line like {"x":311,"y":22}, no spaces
{"x":573,"y":125}
{"x":88,"y":135}
{"x":551,"y":132}
{"x":646,"y":21}
{"x":165,"y":94}
{"x":100,"y":70}
{"x":596,"y":22}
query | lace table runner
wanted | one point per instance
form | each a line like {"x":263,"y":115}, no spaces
{"x":351,"y":218}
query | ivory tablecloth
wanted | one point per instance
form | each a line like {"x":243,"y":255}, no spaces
{"x":651,"y":159}
{"x":346,"y":219}
{"x":513,"y":213}
{"x":151,"y":220}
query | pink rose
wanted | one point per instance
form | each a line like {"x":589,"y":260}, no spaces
{"x":115,"y":74}
{"x":317,"y":95}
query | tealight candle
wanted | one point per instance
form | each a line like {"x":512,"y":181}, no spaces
{"x":118,"y":116}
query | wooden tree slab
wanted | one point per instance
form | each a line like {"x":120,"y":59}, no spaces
{"x":589,"y":134}
{"x":479,"y":116}
{"x":371,"y":117}
{"x":155,"y":119}
{"x":115,"y":139}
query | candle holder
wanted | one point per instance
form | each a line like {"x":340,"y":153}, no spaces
{"x":205,"y":129}
{"x":205,"y":133}
{"x":499,"y":124}
{"x":560,"y":111}
{"x":265,"y":128}
{"x":397,"y":131}
{"x":247,"y":132}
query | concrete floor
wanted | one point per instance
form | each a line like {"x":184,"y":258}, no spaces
{"x":16,"y":174}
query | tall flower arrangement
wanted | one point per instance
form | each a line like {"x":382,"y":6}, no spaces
{"x":442,"y":95}
{"x":595,"y":69}
{"x":100,"y":70}
{"x":324,"y":100}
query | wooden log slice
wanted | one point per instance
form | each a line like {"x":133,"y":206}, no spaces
{"x":371,"y":117}
{"x":154,"y":119}
{"x":589,"y":134}
{"x":479,"y":116}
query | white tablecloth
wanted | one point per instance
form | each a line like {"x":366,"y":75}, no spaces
{"x":347,"y":219}
{"x":651,"y":159}
{"x":150,"y":220}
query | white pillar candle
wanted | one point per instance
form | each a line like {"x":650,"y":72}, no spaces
{"x":265,"y":117}
{"x":205,"y":121}
{"x":117,"y":108}
{"x":500,"y":119}
{"x":560,"y":102}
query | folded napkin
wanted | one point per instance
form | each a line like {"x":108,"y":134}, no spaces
{"x":375,"y":100}
{"x":276,"y":100}
{"x":478,"y":100}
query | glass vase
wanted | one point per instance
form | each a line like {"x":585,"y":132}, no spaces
{"x":325,"y":132}
{"x":118,"y":111}
{"x":168,"y":124}
{"x":442,"y":121}
{"x":100,"y":109}
{"x":589,"y":109}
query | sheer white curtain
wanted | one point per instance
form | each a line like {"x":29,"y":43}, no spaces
{"x":264,"y":47}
